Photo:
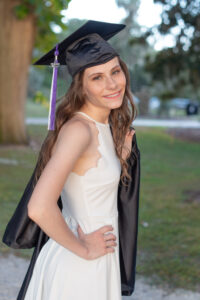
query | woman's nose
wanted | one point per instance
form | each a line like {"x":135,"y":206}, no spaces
{"x":111,"y":83}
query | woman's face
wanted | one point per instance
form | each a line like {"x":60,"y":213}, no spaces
{"x":104,"y":85}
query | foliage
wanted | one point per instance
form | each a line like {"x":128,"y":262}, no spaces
{"x":180,"y":63}
{"x":48,"y":14}
{"x":132,"y":45}
{"x":40,"y":76}
{"x":40,"y":98}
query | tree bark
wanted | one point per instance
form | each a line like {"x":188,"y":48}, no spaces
{"x":144,"y":96}
{"x":16,"y":44}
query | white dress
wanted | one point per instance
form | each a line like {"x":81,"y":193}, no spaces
{"x":90,"y":200}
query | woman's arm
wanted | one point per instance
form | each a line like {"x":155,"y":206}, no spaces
{"x":73,"y":139}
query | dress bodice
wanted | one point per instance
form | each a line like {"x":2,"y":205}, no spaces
{"x":94,"y":195}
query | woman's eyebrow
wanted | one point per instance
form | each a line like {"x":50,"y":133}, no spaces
{"x":102,"y":72}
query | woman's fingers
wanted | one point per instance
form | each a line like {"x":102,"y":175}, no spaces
{"x":130,"y":132}
{"x":128,"y":143}
{"x":110,"y":243}
{"x":110,"y":250}
{"x":98,"y":242}
{"x":109,"y":236}
{"x":105,"y":228}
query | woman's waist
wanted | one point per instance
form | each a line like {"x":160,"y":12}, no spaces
{"x":91,"y":223}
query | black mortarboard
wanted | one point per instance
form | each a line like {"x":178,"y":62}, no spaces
{"x":86,"y":47}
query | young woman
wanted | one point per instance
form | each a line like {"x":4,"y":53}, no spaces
{"x":83,"y":160}
{"x":84,"y":168}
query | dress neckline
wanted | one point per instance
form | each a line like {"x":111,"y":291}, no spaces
{"x":89,"y":117}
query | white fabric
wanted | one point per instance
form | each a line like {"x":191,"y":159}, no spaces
{"x":91,"y":201}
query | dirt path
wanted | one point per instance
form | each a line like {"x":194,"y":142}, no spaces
{"x":13,"y":269}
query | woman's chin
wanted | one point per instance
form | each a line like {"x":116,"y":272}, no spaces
{"x":115,"y":104}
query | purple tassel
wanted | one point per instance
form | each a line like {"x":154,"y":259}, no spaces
{"x":52,"y":105}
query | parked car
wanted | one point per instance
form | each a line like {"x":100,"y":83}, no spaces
{"x":191,"y":107}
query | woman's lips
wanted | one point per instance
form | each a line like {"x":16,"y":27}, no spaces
{"x":113,"y":96}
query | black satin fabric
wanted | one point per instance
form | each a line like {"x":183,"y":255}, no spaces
{"x":128,"y":209}
{"x":22,"y":233}
{"x":88,"y":51}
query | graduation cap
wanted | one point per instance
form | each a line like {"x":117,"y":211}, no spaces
{"x":86,"y":47}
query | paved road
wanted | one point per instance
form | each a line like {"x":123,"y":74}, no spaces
{"x":13,"y":269}
{"x":138,"y":122}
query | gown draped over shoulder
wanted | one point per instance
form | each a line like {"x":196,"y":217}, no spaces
{"x":89,"y":200}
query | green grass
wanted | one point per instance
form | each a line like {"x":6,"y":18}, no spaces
{"x":13,"y":179}
{"x":168,"y":249}
{"x":35,"y":110}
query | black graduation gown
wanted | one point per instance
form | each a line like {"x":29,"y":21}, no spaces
{"x":22,"y":233}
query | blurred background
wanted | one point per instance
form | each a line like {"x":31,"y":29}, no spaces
{"x":160,"y":45}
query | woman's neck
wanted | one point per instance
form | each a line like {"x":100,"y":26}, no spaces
{"x":99,"y":115}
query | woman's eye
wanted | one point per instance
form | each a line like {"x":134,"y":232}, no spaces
{"x":97,"y":77}
{"x":116,"y":71}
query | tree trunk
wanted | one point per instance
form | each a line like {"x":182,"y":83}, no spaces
{"x":16,"y":44}
{"x":144,"y":96}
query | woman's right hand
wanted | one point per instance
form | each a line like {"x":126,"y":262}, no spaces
{"x":98,"y":242}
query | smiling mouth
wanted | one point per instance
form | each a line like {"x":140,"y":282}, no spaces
{"x":114,"y":95}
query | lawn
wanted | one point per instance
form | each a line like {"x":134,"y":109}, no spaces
{"x":168,"y":242}
{"x":169,"y":245}
{"x":35,"y":110}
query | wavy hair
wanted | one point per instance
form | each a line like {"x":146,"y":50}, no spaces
{"x":120,"y":120}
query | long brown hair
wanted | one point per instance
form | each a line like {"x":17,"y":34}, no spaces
{"x":120,"y":120}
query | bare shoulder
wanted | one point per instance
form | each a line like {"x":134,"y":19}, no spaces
{"x":74,"y":133}
{"x":75,"y":127}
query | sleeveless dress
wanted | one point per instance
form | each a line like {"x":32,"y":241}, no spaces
{"x":89,"y":200}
